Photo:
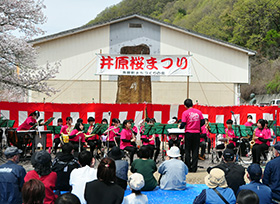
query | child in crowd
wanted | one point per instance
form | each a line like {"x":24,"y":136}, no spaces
{"x":136,"y":182}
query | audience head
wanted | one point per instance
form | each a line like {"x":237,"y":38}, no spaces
{"x":85,"y":158}
{"x":41,"y":162}
{"x":33,"y":192}
{"x":116,"y":153}
{"x":136,"y":182}
{"x":247,"y":196}
{"x":67,"y":198}
{"x":13,"y":153}
{"x":277,"y":149}
{"x":91,"y":120}
{"x":216,"y":178}
{"x":174,"y":152}
{"x":79,"y":126}
{"x":143,"y":152}
{"x":261,"y":123}
{"x":106,"y":170}
{"x":67,"y":148}
{"x":59,"y":121}
{"x":229,"y":155}
{"x":188,"y":103}
{"x":254,"y":172}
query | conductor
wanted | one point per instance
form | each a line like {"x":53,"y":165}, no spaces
{"x":192,"y":121}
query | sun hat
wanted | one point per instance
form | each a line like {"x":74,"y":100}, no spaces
{"x":216,"y":178}
{"x":174,"y":152}
{"x":116,"y":153}
{"x":136,"y":181}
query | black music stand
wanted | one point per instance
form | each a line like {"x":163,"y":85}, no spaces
{"x":216,"y":128}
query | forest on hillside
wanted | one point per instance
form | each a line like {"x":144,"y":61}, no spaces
{"x":254,"y":24}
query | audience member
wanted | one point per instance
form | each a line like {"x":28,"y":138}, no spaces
{"x":254,"y":175}
{"x":121,"y":166}
{"x":79,"y":177}
{"x":104,"y":190}
{"x":218,"y":191}
{"x":136,"y":182}
{"x":234,"y":172}
{"x":41,"y":162}
{"x":33,"y":192}
{"x":173,"y":171}
{"x":67,"y":198}
{"x":271,"y":176}
{"x":146,"y":167}
{"x":63,"y":165}
{"x":11,"y":177}
{"x":246,"y":197}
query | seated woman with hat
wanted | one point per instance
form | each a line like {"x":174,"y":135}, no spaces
{"x":218,"y":191}
{"x":121,"y":166}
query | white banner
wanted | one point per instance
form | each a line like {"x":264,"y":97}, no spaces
{"x":144,"y":65}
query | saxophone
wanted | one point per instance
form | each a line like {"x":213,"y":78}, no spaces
{"x":252,"y":142}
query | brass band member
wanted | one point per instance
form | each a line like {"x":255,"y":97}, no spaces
{"x":93,"y":140}
{"x":262,"y":143}
{"x":67,"y":129}
{"x":30,"y":121}
{"x":77,"y":137}
{"x":56,"y":139}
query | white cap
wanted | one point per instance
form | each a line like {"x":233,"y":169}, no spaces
{"x":174,"y":152}
{"x":136,"y":181}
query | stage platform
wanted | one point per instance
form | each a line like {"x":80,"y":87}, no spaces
{"x":161,"y":197}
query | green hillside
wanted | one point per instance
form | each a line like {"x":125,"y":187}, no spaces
{"x":254,"y":24}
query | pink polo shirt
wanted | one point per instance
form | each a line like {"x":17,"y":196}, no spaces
{"x":231,"y":135}
{"x":192,"y":119}
{"x":90,"y":129}
{"x":25,"y":125}
{"x":112,"y":133}
{"x":76,"y":139}
{"x":135,"y":129}
{"x":65,"y":130}
{"x":127,"y":135}
{"x":248,"y":124}
{"x":262,"y":134}
{"x":152,"y":142}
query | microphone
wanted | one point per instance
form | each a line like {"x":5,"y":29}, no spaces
{"x":232,"y":112}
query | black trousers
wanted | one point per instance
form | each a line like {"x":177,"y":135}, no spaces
{"x":257,"y":150}
{"x":202,"y":146}
{"x":94,"y":144}
{"x":174,"y":142}
{"x":56,"y":143}
{"x":132,"y":150}
{"x":191,"y":150}
{"x":157,"y":141}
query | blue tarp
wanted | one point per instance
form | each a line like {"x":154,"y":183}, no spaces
{"x":168,"y":197}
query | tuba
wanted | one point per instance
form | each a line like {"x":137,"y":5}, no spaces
{"x":252,"y":142}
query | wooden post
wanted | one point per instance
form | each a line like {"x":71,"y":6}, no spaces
{"x":100,"y":84}
{"x":188,"y":82}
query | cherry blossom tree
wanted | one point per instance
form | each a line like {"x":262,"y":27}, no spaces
{"x":19,"y":70}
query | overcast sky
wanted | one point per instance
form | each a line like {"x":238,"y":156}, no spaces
{"x":66,"y":14}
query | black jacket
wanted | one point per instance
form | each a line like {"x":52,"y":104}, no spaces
{"x":234,"y":175}
{"x":63,"y":165}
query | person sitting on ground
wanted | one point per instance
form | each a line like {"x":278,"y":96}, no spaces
{"x":67,"y":198}
{"x":254,"y":175}
{"x":33,"y":192}
{"x":234,"y":172}
{"x":41,"y":161}
{"x":173,"y":171}
{"x":136,"y":182}
{"x":271,"y":176}
{"x":146,"y":167}
{"x":63,"y":165}
{"x":104,"y":190}
{"x":121,"y":166}
{"x":247,"y":196}
{"x":79,"y":177}
{"x":218,"y":191}
{"x":11,"y":177}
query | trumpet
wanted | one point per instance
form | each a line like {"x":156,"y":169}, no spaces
{"x":252,"y":142}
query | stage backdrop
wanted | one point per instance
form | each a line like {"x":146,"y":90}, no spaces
{"x":162,"y":113}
